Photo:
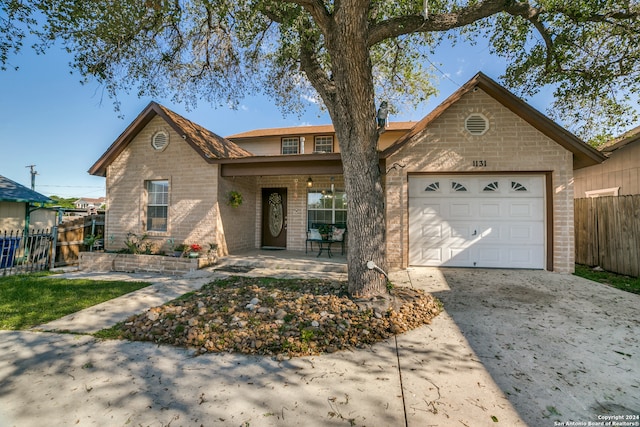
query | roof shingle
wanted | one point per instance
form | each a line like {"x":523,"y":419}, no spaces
{"x":11,"y":191}
{"x":206,"y":143}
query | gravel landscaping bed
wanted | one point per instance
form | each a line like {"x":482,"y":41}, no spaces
{"x":283,"y":318}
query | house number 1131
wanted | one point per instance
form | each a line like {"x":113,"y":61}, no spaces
{"x":480,"y":163}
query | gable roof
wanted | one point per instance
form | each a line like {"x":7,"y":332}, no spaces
{"x":308,"y":130}
{"x":583,"y":154}
{"x":11,"y":191}
{"x":626,"y":138}
{"x":207,"y":144}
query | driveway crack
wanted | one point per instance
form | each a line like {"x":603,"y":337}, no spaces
{"x":404,"y":403}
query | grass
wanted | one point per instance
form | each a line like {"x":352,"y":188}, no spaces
{"x":625,"y":283}
{"x":29,"y":300}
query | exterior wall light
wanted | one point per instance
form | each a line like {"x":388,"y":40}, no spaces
{"x":309,"y":183}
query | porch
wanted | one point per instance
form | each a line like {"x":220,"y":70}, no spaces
{"x":282,"y":261}
{"x":271,"y":263}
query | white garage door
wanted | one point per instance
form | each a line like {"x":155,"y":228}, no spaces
{"x":477,"y":221}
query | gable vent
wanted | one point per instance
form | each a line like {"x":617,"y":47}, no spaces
{"x":160,"y":140}
{"x":476,"y":124}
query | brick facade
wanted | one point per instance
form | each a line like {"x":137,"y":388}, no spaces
{"x":198,"y":195}
{"x":193,"y":191}
{"x":102,"y":262}
{"x":510,"y":145}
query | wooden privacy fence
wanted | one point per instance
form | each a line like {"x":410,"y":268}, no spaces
{"x":71,"y":237}
{"x":607,"y":231}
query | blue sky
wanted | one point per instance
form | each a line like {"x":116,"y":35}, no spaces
{"x":48,"y":119}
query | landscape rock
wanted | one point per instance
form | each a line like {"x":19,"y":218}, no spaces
{"x":296,"y":317}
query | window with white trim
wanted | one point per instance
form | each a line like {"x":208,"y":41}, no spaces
{"x":290,"y":145}
{"x":157,"y":205}
{"x":323,"y":144}
{"x":613,"y":191}
{"x":327,"y":207}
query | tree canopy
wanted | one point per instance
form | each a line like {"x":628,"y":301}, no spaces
{"x":348,"y":55}
{"x":218,"y":51}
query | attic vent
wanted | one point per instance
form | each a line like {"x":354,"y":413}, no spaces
{"x":476,"y":124}
{"x":160,"y":140}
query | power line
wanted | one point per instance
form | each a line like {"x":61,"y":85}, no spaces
{"x":70,"y":186}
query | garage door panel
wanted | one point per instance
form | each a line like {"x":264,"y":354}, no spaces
{"x":433,"y":231}
{"x":490,"y":233}
{"x":459,"y":254}
{"x":489,"y":256}
{"x":427,"y":210}
{"x":460,"y":231}
{"x":521,"y":255}
{"x":490,"y":209}
{"x":461,"y":210}
{"x":477,"y":221}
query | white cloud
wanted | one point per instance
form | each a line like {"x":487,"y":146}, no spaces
{"x":310,"y":99}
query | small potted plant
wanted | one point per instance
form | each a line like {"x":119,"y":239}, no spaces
{"x":235,"y":199}
{"x":194,"y":250}
{"x":180,"y":250}
{"x":212,"y":252}
{"x":325,"y":231}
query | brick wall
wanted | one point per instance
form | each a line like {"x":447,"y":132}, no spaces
{"x":101,"y":261}
{"x":236,"y":227}
{"x":193,"y":193}
{"x":510,"y":144}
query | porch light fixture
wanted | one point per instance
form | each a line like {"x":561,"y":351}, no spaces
{"x":309,"y":183}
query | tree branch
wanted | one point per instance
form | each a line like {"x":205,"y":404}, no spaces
{"x":548,"y":40}
{"x":316,"y":75}
{"x":316,"y":9}
{"x":408,"y":24}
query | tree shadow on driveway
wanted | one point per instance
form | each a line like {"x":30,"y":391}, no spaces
{"x":562,"y":348}
{"x":79,"y":380}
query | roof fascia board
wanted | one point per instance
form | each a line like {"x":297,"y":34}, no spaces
{"x":285,"y":158}
{"x":181,"y":132}
{"x":426,"y":120}
{"x":584,"y":155}
{"x":539,"y":121}
{"x":99,"y":168}
{"x":620,"y":144}
{"x":278,"y":169}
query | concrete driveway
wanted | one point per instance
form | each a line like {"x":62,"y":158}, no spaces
{"x":512,"y":348}
{"x":560,"y":347}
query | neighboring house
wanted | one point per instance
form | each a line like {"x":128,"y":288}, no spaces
{"x":619,"y":175}
{"x":89,"y":203}
{"x":484,"y":180}
{"x":21,"y":207}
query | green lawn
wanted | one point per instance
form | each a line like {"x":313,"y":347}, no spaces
{"x":32,"y":299}
{"x":626,"y":283}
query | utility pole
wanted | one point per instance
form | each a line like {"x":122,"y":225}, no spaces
{"x":33,"y":176}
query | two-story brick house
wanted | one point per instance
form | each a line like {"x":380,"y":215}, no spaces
{"x":484,"y":180}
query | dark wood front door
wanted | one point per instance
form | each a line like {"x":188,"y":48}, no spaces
{"x":274,"y":217}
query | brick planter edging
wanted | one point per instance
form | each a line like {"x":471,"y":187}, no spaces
{"x":130,"y":263}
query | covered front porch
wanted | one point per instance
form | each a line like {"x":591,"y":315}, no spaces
{"x":281,"y":201}
{"x":281,"y":261}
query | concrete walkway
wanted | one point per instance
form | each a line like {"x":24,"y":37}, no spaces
{"x":438,"y":375}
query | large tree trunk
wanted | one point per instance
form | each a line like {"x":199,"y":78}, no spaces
{"x":353,"y":115}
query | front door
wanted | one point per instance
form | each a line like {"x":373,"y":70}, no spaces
{"x":274,"y":217}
